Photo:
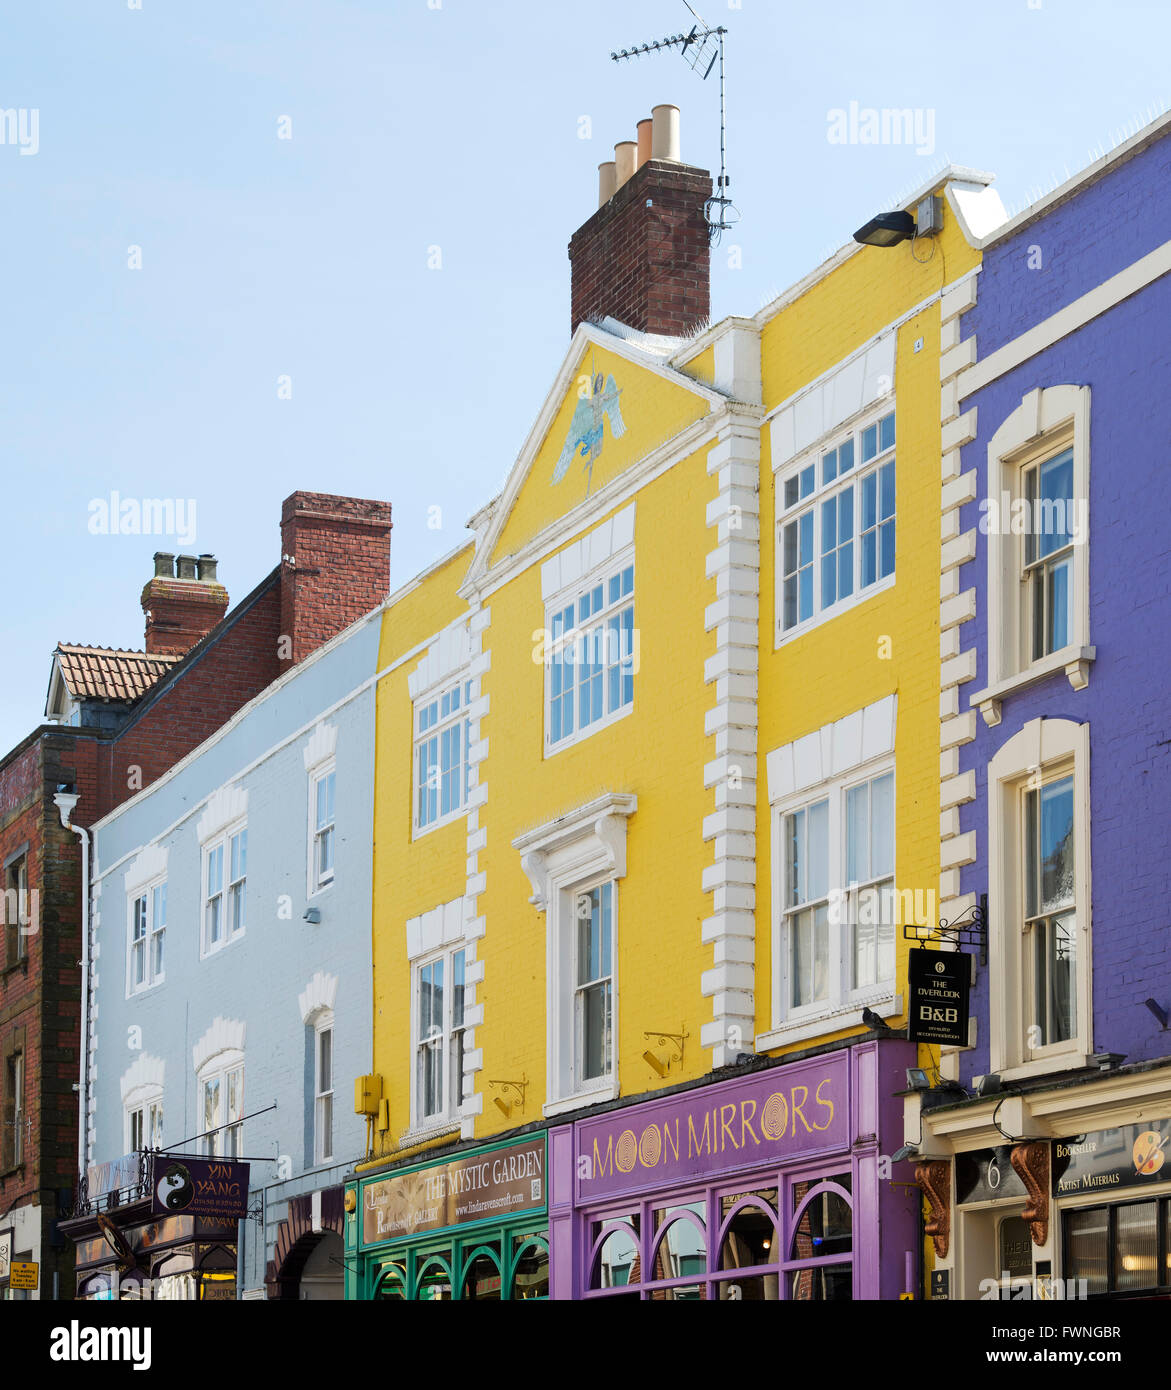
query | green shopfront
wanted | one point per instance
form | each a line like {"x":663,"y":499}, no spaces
{"x":471,"y":1225}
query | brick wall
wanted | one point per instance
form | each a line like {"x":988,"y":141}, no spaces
{"x":644,"y":257}
{"x":335,"y":566}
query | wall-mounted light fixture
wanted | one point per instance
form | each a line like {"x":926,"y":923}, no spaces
{"x":887,"y":229}
{"x":511,"y":1097}
{"x":668,"y":1049}
{"x":313,"y":915}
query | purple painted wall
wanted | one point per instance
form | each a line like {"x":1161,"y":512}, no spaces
{"x":1124,"y":356}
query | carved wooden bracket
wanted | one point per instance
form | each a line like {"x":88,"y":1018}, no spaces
{"x":935,"y":1181}
{"x":1031,"y":1162}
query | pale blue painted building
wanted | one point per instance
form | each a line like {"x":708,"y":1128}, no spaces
{"x":231,"y":983}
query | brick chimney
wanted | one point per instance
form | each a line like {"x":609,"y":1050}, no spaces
{"x":182,"y":603}
{"x":335,"y":566}
{"x":644,"y":257}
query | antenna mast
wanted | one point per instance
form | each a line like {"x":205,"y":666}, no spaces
{"x":701,"y":49}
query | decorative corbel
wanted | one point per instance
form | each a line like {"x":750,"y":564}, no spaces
{"x":534,"y":866}
{"x":610,"y":830}
{"x":1031,"y":1164}
{"x":934,"y":1179}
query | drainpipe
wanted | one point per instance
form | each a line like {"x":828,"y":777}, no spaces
{"x":65,"y":803}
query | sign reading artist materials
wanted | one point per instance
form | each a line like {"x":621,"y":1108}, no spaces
{"x":475,"y":1187}
{"x":939,"y":983}
{"x":1108,"y":1158}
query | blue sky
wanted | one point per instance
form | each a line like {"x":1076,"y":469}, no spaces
{"x":415,"y":124}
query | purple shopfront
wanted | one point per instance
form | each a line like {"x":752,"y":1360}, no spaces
{"x":774,"y":1185}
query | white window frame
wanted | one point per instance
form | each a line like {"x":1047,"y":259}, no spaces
{"x":148,"y":892}
{"x":812,"y":457}
{"x":221,"y":1068}
{"x":1043,"y":751}
{"x":841,"y":993}
{"x":453,"y":1084}
{"x":324,"y":1099}
{"x":557,"y":640}
{"x":562,"y":859}
{"x":461,"y":716}
{"x":18,"y":1116}
{"x":318,"y":883}
{"x":145,"y":1102}
{"x":1045,"y":424}
{"x":572,"y":987}
{"x":222,"y":840}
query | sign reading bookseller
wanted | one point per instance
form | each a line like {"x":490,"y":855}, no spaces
{"x":185,"y":1185}
{"x":789,"y":1112}
{"x":939,"y":982}
{"x":499,"y":1184}
{"x":1108,"y":1158}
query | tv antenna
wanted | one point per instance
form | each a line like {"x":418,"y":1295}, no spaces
{"x":702,"y":48}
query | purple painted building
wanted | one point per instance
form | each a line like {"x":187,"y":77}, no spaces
{"x":1049,"y":1172}
{"x":773,"y":1185}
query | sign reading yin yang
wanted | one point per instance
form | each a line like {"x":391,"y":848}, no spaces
{"x":586,"y":436}
{"x":195,"y":1186}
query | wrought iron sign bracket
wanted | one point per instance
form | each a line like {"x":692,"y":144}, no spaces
{"x":969,"y":930}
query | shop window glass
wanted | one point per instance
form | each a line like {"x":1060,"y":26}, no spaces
{"x":751,"y":1238}
{"x":530,"y":1279}
{"x":1087,"y":1234}
{"x":482,"y":1280}
{"x":434,"y":1282}
{"x":1137,"y":1246}
{"x":824,"y":1228}
{"x":392,"y":1285}
{"x":801,"y":1190}
{"x":617,"y":1262}
{"x":682,"y":1250}
{"x":753,"y":1288}
{"x":822,"y":1284}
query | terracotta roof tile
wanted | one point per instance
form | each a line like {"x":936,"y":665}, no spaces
{"x":103,"y":673}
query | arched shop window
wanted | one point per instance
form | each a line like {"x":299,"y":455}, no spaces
{"x":482,"y":1279}
{"x":433,"y":1281}
{"x":680,"y":1250}
{"x":820,"y":1266}
{"x":530,"y":1271}
{"x":615,"y":1263}
{"x":392,"y":1284}
{"x":748,"y":1242}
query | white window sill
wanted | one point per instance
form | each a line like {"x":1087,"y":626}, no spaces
{"x":136,"y":992}
{"x":1074,"y":661}
{"x":1042,"y":1066}
{"x":552,"y":749}
{"x":609,"y":1091}
{"x":320,"y":889}
{"x":827,"y":615}
{"x":222,"y":945}
{"x":419,"y":831}
{"x":831,"y":1021}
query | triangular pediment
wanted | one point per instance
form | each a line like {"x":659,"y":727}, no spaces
{"x":612,"y":404}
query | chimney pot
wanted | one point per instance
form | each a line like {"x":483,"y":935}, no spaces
{"x":187,"y":565}
{"x":607,"y":182}
{"x":164,"y":564}
{"x":625,"y":153}
{"x":206,"y":566}
{"x":665,"y":133}
{"x":645,"y":141}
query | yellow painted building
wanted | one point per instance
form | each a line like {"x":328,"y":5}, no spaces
{"x":650,"y":751}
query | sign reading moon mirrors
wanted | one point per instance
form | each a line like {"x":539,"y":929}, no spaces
{"x":788,"y":1112}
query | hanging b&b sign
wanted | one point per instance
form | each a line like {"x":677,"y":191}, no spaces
{"x":939,"y":982}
